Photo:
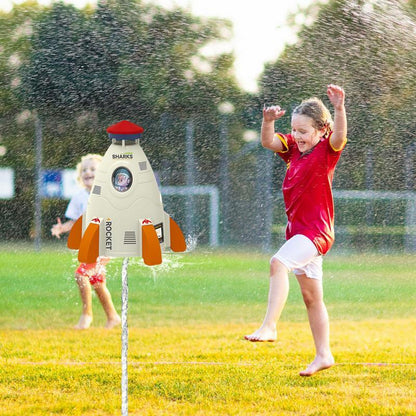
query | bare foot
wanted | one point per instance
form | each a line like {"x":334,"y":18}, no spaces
{"x":111,"y":323}
{"x":318,"y":364}
{"x":262,"y":335}
{"x":84,"y":322}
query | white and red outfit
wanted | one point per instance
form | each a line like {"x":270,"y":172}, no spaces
{"x":307,"y":192}
{"x":94,"y":271}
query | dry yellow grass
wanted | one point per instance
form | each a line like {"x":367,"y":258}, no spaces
{"x":187,"y":355}
{"x":210,"y":370}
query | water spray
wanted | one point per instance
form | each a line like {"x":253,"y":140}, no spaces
{"x":124,"y":337}
{"x":125,"y":218}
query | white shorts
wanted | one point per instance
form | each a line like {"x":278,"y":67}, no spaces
{"x":300,"y":255}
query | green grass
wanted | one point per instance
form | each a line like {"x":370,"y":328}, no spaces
{"x":186,"y":353}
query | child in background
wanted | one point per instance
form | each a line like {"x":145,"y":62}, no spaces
{"x":311,"y":153}
{"x":87,"y":275}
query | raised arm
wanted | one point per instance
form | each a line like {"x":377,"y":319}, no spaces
{"x":60,"y":228}
{"x":339,"y":135}
{"x":270,"y":115}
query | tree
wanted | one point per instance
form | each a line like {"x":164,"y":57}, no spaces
{"x":124,"y":60}
{"x":369,"y":48}
{"x":16,"y":121}
{"x":86,"y":69}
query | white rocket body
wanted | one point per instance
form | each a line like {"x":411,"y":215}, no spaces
{"x":125,"y":215}
{"x":122,"y":211}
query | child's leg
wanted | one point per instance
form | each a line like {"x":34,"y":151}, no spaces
{"x":85,"y":292}
{"x":312,"y":293}
{"x":278,"y":292}
{"x":104,"y":295}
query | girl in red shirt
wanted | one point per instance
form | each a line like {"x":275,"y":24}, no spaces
{"x":311,"y":153}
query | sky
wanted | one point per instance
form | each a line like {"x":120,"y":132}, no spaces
{"x":259,"y":31}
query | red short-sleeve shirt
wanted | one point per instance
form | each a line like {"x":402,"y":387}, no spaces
{"x":307,"y":191}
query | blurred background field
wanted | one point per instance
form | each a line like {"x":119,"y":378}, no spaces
{"x":222,"y":286}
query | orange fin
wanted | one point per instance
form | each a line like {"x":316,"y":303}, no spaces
{"x":177,"y":240}
{"x":89,"y":247}
{"x":75,"y":235}
{"x":151,"y":252}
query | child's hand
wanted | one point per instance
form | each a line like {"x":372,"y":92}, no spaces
{"x":272,"y":113}
{"x":56,"y":229}
{"x":336,"y":95}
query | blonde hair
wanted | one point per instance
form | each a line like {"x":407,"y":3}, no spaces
{"x":316,"y":110}
{"x":90,"y":156}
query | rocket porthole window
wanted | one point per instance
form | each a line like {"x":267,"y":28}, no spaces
{"x":122,"y":179}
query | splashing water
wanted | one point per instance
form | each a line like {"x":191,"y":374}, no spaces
{"x":124,"y":337}
{"x":191,"y":243}
{"x":171,"y":261}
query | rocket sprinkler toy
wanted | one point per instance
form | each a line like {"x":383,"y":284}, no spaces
{"x":125,"y":215}
{"x":125,"y":218}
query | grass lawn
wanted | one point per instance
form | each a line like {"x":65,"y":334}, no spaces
{"x":187,"y":319}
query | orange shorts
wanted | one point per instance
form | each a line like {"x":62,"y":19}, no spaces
{"x":94,"y":271}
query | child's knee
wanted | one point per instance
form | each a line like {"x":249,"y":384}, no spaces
{"x":81,"y":279}
{"x":311,"y":297}
{"x":276,"y":265}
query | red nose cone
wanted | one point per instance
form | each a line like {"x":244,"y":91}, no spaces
{"x":125,"y":130}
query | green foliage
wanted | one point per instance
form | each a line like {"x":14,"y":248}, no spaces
{"x":369,"y":48}
{"x":83,"y":70}
{"x":124,"y":60}
{"x":72,"y":66}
